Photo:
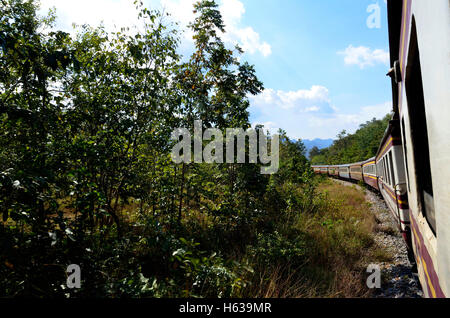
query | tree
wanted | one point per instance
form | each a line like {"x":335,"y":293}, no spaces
{"x":213,"y":84}
{"x":349,"y":148}
{"x":315,"y":151}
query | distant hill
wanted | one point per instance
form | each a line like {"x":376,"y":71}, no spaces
{"x":319,"y":143}
{"x":361,"y":145}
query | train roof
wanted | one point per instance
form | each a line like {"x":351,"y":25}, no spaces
{"x":357,"y":163}
{"x":370,"y":160}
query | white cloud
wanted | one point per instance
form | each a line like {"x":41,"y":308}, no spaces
{"x":304,"y":100}
{"x":122,"y":13}
{"x":309,"y":113}
{"x":351,"y":122}
{"x":113,"y":13}
{"x":232,"y":12}
{"x":268,"y":125}
{"x":364,"y":56}
{"x":312,"y":109}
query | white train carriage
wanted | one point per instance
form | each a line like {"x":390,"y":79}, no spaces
{"x":344,"y":171}
{"x":391,"y":178}
{"x":419,"y":36}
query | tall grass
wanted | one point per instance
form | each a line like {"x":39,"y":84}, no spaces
{"x":337,"y":246}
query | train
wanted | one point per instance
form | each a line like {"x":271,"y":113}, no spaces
{"x":411,"y":169}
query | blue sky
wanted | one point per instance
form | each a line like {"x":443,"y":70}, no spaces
{"x":322,"y":66}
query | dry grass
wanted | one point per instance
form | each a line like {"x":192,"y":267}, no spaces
{"x":341,"y":247}
{"x":347,"y":241}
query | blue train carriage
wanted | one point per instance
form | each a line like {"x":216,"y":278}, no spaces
{"x":419,"y":44}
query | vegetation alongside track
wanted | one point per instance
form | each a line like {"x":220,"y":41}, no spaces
{"x":86,"y":177}
{"x":348,"y":148}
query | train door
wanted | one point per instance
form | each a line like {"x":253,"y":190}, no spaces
{"x":419,"y":131}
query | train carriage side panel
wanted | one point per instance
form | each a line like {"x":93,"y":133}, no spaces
{"x":370,"y":173}
{"x":391,"y":179}
{"x":330,"y":171}
{"x":315,"y":169}
{"x":356,"y":171}
{"x":421,"y":99}
{"x":344,"y":171}
{"x":335,"y":171}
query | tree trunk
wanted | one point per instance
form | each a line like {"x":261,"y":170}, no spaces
{"x":180,"y":207}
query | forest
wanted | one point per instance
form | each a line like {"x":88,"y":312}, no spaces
{"x":86,"y":175}
{"x":356,"y":147}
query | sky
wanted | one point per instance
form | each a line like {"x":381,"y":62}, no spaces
{"x":323,"y":62}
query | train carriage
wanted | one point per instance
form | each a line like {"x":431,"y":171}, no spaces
{"x":333,"y":171}
{"x":316,"y":169}
{"x":370,"y":173}
{"x":344,"y":171}
{"x":391,"y":178}
{"x":320,"y":169}
{"x":410,"y":168}
{"x":356,"y":171}
{"x":419,"y":36}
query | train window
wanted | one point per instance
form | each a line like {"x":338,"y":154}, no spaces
{"x":405,"y":150}
{"x":419,"y":130}
{"x":388,"y":177}
{"x":381,"y":169}
{"x":389,"y":170}
{"x":385,"y":171}
{"x":392,"y":169}
{"x":386,"y":165}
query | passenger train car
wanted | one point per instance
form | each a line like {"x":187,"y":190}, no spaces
{"x":411,"y":168}
{"x":370,"y":173}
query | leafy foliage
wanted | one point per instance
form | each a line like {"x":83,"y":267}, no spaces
{"x":86,"y":175}
{"x":349,"y":148}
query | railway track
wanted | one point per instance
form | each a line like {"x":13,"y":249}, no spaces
{"x":398,"y":279}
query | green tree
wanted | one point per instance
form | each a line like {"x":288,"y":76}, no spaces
{"x":349,"y":148}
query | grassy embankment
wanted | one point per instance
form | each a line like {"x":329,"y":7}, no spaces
{"x":338,"y":247}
